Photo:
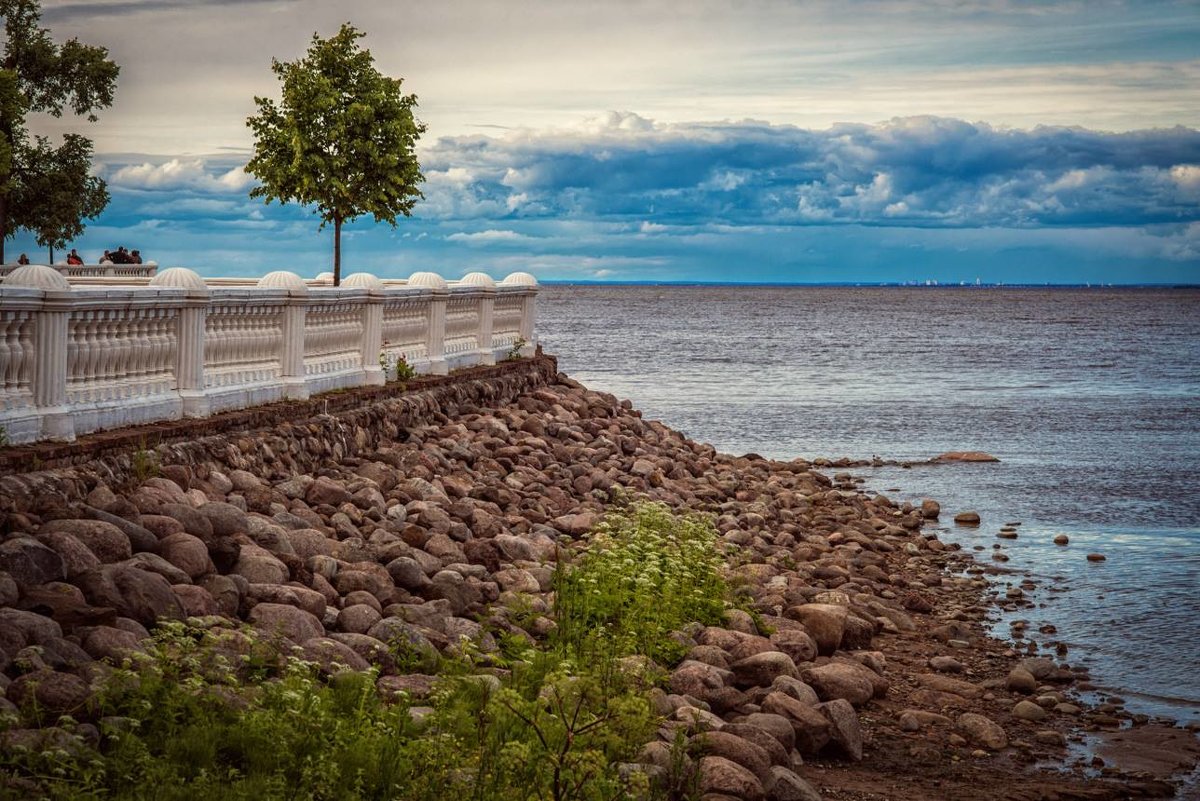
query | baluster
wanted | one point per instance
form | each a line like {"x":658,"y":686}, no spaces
{"x":7,"y":357}
{"x":25,"y":366}
{"x":85,"y":378}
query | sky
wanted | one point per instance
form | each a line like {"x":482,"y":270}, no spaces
{"x":643,"y":140}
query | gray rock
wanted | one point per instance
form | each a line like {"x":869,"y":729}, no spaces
{"x":29,"y":562}
{"x":982,"y":731}
{"x":788,"y":786}
{"x":762,"y":669}
{"x":289,"y":621}
{"x":720,"y":775}
{"x":844,"y":731}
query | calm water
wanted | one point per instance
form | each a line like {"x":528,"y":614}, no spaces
{"x":1091,"y":399}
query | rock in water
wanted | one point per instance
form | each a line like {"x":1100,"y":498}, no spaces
{"x":965,"y":456}
{"x":967,"y":518}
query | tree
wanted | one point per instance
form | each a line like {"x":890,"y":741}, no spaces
{"x":38,"y":75}
{"x":342,"y":138}
{"x":58,"y":191}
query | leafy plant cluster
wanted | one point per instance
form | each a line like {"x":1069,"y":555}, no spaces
{"x":212,"y":711}
{"x":646,"y":573}
{"x":396,"y":369}
{"x":514,"y":352}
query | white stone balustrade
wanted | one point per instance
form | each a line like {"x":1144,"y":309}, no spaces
{"x":80,"y":353}
{"x":109,"y":270}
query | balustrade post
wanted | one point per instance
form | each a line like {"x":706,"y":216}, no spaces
{"x":51,"y":329}
{"x":528,"y":331}
{"x":435,"y":337}
{"x":436,"y":343}
{"x":483,"y":283}
{"x":50,"y":369}
{"x":295,"y":312}
{"x":189,"y":355}
{"x":487,"y":308}
{"x":372,"y":327}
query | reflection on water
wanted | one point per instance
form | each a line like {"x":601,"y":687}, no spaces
{"x":1090,"y":397}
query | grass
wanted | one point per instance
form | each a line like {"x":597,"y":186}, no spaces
{"x":210,"y":711}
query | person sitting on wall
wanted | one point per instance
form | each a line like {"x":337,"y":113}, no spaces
{"x":23,"y":259}
{"x":106,"y":258}
{"x":135,"y":257}
{"x":120,"y":255}
{"x":74,"y":258}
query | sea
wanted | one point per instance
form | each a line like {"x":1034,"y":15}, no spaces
{"x":1088,"y":396}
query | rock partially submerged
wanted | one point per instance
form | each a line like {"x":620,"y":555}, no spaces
{"x":964,"y":456}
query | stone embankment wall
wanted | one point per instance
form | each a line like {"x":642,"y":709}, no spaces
{"x":275,"y":441}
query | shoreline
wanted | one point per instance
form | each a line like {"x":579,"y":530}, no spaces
{"x":908,"y":609}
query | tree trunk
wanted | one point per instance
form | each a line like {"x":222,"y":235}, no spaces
{"x":337,"y":251}
{"x":3,"y":223}
{"x":51,"y":255}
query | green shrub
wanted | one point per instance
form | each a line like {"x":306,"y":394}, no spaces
{"x":213,"y":711}
{"x":646,"y":573}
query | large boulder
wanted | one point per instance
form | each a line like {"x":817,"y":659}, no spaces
{"x":137,"y":594}
{"x":737,"y":750}
{"x":797,"y":644}
{"x":30,"y":563}
{"x":722,"y":776}
{"x":188,"y":553}
{"x":77,"y":558}
{"x":50,"y":692}
{"x":844,"y":731}
{"x":762,"y":738}
{"x":841,"y":680}
{"x":810,"y":726}
{"x":289,"y":621}
{"x":226,"y":519}
{"x":106,"y":541}
{"x":762,"y":669}
{"x":825,"y":623}
{"x":326,"y":491}
{"x":259,"y":566}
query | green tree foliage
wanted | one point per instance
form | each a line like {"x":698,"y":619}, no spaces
{"x":58,"y":191}
{"x":341,"y":139}
{"x":39,"y":76}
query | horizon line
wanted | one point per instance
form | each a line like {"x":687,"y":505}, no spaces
{"x":870,"y":284}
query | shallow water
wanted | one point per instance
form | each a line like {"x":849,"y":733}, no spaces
{"x":1090,"y":397}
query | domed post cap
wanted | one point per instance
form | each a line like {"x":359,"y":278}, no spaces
{"x":362,"y":281}
{"x":520,"y":279}
{"x":282,"y":279}
{"x":431,"y":280}
{"x":477,"y":279}
{"x":179,"y":278}
{"x":37,"y":276}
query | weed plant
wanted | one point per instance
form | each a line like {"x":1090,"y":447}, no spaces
{"x":212,"y":711}
{"x":646,"y":573}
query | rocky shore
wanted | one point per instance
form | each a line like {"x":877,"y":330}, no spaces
{"x":858,"y":669}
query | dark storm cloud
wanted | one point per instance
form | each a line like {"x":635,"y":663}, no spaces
{"x":924,"y":171}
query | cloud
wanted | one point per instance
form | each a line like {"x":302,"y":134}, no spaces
{"x":487,"y":237}
{"x":181,"y":173}
{"x":912,"y":171}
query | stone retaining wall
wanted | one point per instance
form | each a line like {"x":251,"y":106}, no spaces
{"x":275,"y":441}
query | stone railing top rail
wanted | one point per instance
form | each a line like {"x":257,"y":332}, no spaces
{"x":108,"y":269}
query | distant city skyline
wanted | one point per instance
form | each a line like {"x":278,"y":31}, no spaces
{"x":1009,"y":140}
